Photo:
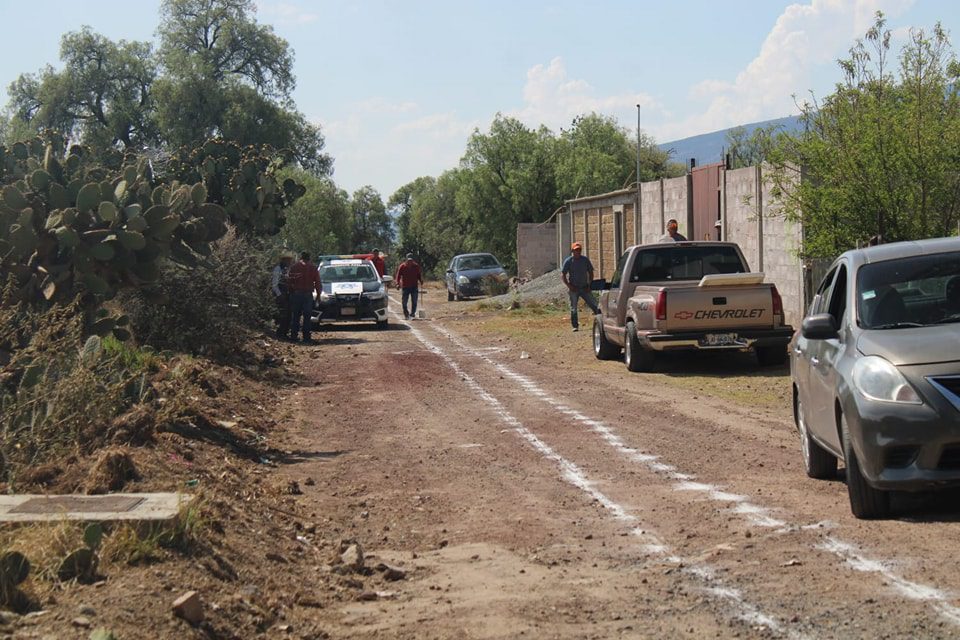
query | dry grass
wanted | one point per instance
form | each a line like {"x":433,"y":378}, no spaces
{"x":544,"y":329}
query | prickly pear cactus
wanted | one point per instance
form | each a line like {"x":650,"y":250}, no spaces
{"x":69,"y":227}
{"x":243,"y":181}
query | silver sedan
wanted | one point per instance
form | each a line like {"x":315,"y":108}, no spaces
{"x":876,"y":372}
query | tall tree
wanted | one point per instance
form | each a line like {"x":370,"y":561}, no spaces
{"x":371,"y":226}
{"x":228,"y":76}
{"x":320,"y":221}
{"x":102,"y":95}
{"x":400,"y":207}
{"x":597,"y":155}
{"x":436,"y":230}
{"x":508,"y":177}
{"x":880,"y":155}
{"x":749,"y":149}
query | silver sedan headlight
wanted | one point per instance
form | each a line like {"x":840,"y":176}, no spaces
{"x":463,"y":280}
{"x":877,"y":379}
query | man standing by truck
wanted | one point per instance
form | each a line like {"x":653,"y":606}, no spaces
{"x":577,"y":274}
{"x":672,"y":234}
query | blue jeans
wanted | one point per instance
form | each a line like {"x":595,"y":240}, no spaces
{"x":411,"y":293}
{"x":301,"y":304}
{"x":575,"y":295}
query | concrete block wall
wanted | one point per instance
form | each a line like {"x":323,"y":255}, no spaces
{"x":740,"y":222}
{"x":536,"y":248}
{"x":675,"y":198}
{"x":782,"y":241}
{"x":652,"y":222}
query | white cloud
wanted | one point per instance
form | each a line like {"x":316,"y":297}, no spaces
{"x":382,"y":105}
{"x":552,"y":98}
{"x":287,"y":14}
{"x":389,"y":144}
{"x":804,"y":37}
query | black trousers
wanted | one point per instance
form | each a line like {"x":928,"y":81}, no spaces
{"x":282,"y":317}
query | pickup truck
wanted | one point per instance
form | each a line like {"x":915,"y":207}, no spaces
{"x":687,"y":295}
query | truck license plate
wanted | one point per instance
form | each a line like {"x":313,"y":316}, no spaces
{"x":719,"y":340}
{"x":348,"y":311}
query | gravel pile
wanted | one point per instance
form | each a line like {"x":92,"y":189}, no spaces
{"x":545,"y":289}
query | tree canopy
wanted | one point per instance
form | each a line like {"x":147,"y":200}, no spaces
{"x":217,"y":73}
{"x":880,"y":155}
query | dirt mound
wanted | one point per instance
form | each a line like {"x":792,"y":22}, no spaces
{"x":111,"y":471}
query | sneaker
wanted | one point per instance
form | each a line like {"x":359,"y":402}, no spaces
{"x":575,"y":329}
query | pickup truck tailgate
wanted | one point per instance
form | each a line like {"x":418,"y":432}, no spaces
{"x":715,"y":303}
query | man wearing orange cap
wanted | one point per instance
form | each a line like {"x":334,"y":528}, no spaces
{"x":577,"y":274}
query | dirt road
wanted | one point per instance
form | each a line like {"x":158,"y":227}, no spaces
{"x":540,"y":493}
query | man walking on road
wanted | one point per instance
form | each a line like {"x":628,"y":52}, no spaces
{"x":577,"y":274}
{"x":281,"y":294}
{"x":409,"y":278}
{"x":304,"y":279}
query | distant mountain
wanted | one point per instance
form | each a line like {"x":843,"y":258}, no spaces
{"x":707,"y":148}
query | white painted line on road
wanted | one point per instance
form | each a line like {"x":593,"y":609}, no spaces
{"x":911,"y":590}
{"x":757,"y":515}
{"x":574,"y":475}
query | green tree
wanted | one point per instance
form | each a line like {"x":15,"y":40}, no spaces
{"x":320,"y":221}
{"x":371,"y":226}
{"x":226,"y":75}
{"x":508,"y":177}
{"x":750,"y":149}
{"x":436,"y":229}
{"x":101,"y":96}
{"x":400,"y":206}
{"x":596,"y":155}
{"x":880,"y":155}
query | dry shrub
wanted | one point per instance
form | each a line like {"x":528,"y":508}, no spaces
{"x":51,"y":398}
{"x":112,"y":470}
{"x":209,"y":309}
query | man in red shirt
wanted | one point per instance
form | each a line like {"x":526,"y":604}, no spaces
{"x":378,"y":262}
{"x":302,"y":279}
{"x":409,"y":278}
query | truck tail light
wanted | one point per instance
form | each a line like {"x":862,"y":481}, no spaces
{"x":662,"y":305}
{"x":777,"y":301}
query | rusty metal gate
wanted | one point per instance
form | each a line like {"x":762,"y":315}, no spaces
{"x":706,"y":202}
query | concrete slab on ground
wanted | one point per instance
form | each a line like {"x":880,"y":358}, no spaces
{"x":153,"y":507}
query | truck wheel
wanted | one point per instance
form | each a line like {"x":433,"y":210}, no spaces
{"x":449,"y":296}
{"x":866,"y":502}
{"x":770,"y":356}
{"x":603,"y":348}
{"x":817,"y":461}
{"x":634,"y":356}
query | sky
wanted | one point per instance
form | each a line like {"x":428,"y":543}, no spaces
{"x":397,"y":87}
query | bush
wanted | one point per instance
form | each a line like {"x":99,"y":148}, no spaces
{"x":494,"y":285}
{"x":58,"y":392}
{"x":209,"y":309}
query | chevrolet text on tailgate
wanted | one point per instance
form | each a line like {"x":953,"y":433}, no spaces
{"x":688,"y":295}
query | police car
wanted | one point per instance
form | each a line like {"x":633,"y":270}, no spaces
{"x":352,"y":290}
